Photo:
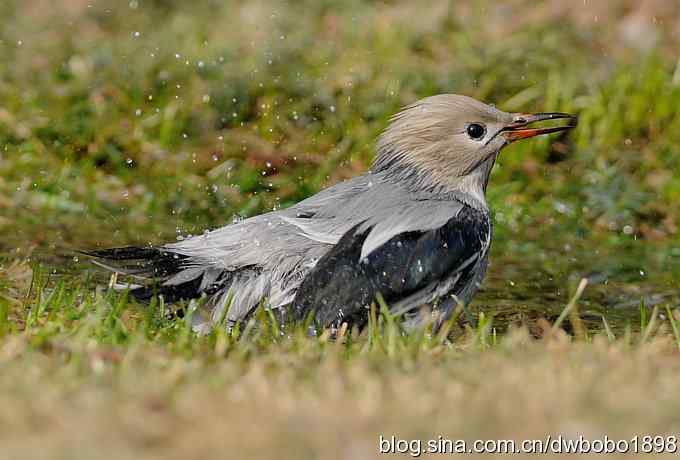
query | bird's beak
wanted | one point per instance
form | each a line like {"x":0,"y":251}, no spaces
{"x":518,"y":128}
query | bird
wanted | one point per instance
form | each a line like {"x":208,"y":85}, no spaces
{"x":414,"y":232}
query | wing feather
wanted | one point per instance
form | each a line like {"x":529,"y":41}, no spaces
{"x":409,"y":269}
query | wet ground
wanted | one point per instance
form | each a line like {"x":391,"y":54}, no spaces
{"x":622,"y":279}
{"x":527,"y":279}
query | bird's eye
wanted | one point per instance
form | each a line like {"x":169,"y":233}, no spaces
{"x":476,"y":130}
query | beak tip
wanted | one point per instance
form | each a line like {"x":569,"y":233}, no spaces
{"x":519,"y":130}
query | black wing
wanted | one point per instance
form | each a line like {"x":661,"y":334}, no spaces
{"x":340,"y":286}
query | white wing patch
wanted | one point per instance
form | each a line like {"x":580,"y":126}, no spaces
{"x":409,"y":218}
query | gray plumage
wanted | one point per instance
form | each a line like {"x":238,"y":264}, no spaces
{"x":429,"y":176}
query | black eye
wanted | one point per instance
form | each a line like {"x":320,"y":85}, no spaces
{"x":476,"y":131}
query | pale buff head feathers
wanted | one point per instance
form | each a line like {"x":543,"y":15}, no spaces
{"x":450,"y":142}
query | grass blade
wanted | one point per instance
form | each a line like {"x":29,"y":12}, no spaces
{"x":650,"y":326}
{"x":608,"y":330}
{"x":572,"y":303}
{"x":674,"y":325}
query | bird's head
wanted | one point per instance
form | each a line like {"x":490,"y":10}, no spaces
{"x":451,"y":142}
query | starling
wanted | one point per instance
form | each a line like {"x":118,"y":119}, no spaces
{"x":415,"y":229}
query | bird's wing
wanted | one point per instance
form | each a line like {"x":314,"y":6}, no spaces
{"x":345,"y":281}
{"x":261,"y":240}
{"x":382,"y":207}
{"x":264,"y":257}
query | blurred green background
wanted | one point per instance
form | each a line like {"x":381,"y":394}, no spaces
{"x":142,"y":121}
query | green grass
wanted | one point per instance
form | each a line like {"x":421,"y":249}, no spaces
{"x":137,"y":122}
{"x":88,"y":374}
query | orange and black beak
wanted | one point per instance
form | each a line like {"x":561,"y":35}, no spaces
{"x":518,"y":128}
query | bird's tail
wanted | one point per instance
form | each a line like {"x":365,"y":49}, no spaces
{"x":158,"y":271}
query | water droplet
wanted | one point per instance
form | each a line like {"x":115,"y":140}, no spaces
{"x":561,"y":207}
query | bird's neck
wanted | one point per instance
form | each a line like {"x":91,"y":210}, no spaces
{"x":469,"y":188}
{"x":473,"y":185}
